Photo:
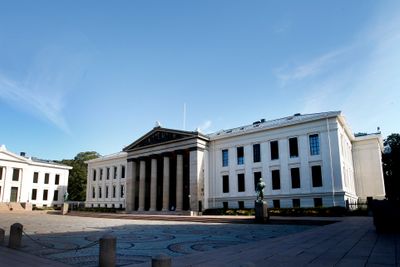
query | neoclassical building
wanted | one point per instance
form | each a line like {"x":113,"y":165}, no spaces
{"x":305,"y":160}
{"x":31,"y":180}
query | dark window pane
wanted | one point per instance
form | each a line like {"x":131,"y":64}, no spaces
{"x":115,"y":172}
{"x":94,"y":175}
{"x":123,"y":171}
{"x":317,"y":202}
{"x":314,"y":144}
{"x":296,"y":203}
{"x":241,"y":204}
{"x":241,"y":187}
{"x":240,"y":155}
{"x":122,"y":191}
{"x":225,"y":184}
{"x":276,"y":180}
{"x":57,"y":181}
{"x":45,"y":193}
{"x":46,"y":178}
{"x":34,"y":194}
{"x":316,"y":176}
{"x":106,"y":191}
{"x":257,"y":176}
{"x":55,"y":198}
{"x":114,"y":191}
{"x":256,"y":153}
{"x":35,"y":177}
{"x":225,"y":157}
{"x":274,"y":150}
{"x":93,"y":192}
{"x":15,"y":176}
{"x":295,"y":173}
{"x":293,"y":147}
{"x":225,"y":205}
{"x":108,"y":173}
{"x":277,"y":203}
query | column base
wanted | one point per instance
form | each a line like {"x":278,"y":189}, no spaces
{"x":140,"y":209}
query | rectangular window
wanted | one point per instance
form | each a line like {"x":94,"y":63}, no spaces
{"x":241,"y":204}
{"x":293,"y":147}
{"x":241,"y":187}
{"x":93,"y":192}
{"x":276,"y":180}
{"x":225,"y":184}
{"x":257,"y":176}
{"x":123,"y":171}
{"x":225,"y":205}
{"x":274,"y":150}
{"x":15,"y":176}
{"x":295,"y":173}
{"x":45,"y":194}
{"x":115,"y":172}
{"x":277,"y":203}
{"x":94,"y":175}
{"x":314,"y":144}
{"x":240,"y":155}
{"x":114,"y":191}
{"x":256,"y":153}
{"x":225,"y":158}
{"x":317,"y":202}
{"x":57,"y":180}
{"x":34,"y":194}
{"x":106,"y":191}
{"x":122,"y":191}
{"x":101,"y":174}
{"x":316,"y":176}
{"x":296,"y":203}
{"x":55,"y":197}
{"x":1,"y":173}
{"x":108,"y":173}
{"x":35,"y":177}
{"x":46,"y":178}
{"x":99,"y":192}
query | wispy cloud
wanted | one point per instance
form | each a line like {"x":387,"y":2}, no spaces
{"x":311,"y":68}
{"x":362,"y":79}
{"x":205,"y":126}
{"x":46,"y":106}
{"x":52,"y":75}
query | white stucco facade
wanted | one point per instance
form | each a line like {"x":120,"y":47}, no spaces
{"x":29,"y":180}
{"x":106,"y":181}
{"x":305,"y":161}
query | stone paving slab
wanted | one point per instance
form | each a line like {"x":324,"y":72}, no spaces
{"x":350,"y":242}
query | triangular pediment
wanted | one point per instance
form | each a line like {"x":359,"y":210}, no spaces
{"x":159,"y":136}
{"x":8,"y":156}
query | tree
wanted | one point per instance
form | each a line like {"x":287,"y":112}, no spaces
{"x":78,"y":175}
{"x":391,"y":166}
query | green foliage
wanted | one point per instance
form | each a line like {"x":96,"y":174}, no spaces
{"x":391,"y":166}
{"x":78,"y":175}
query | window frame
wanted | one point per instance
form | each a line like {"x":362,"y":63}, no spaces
{"x":293,"y":147}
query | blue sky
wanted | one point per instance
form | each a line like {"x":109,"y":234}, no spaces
{"x":96,"y":75}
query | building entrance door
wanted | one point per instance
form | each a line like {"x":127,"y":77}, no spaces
{"x":14,"y":194}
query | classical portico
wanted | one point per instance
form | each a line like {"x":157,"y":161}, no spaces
{"x":165,"y":171}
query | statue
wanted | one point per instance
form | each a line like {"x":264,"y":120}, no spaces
{"x":260,"y":190}
{"x":66,"y":196}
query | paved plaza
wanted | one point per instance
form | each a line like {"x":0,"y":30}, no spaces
{"x":350,"y":242}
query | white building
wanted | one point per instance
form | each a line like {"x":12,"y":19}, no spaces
{"x":106,"y":181}
{"x":29,"y":180}
{"x":305,"y":160}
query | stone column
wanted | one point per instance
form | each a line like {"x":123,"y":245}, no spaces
{"x":196,"y":179}
{"x":179,"y":182}
{"x":142,"y":176}
{"x":130,"y":186}
{"x":165,"y":205}
{"x":153,"y":185}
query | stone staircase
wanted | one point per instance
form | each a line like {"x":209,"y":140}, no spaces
{"x":4,"y":207}
{"x":12,"y":206}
